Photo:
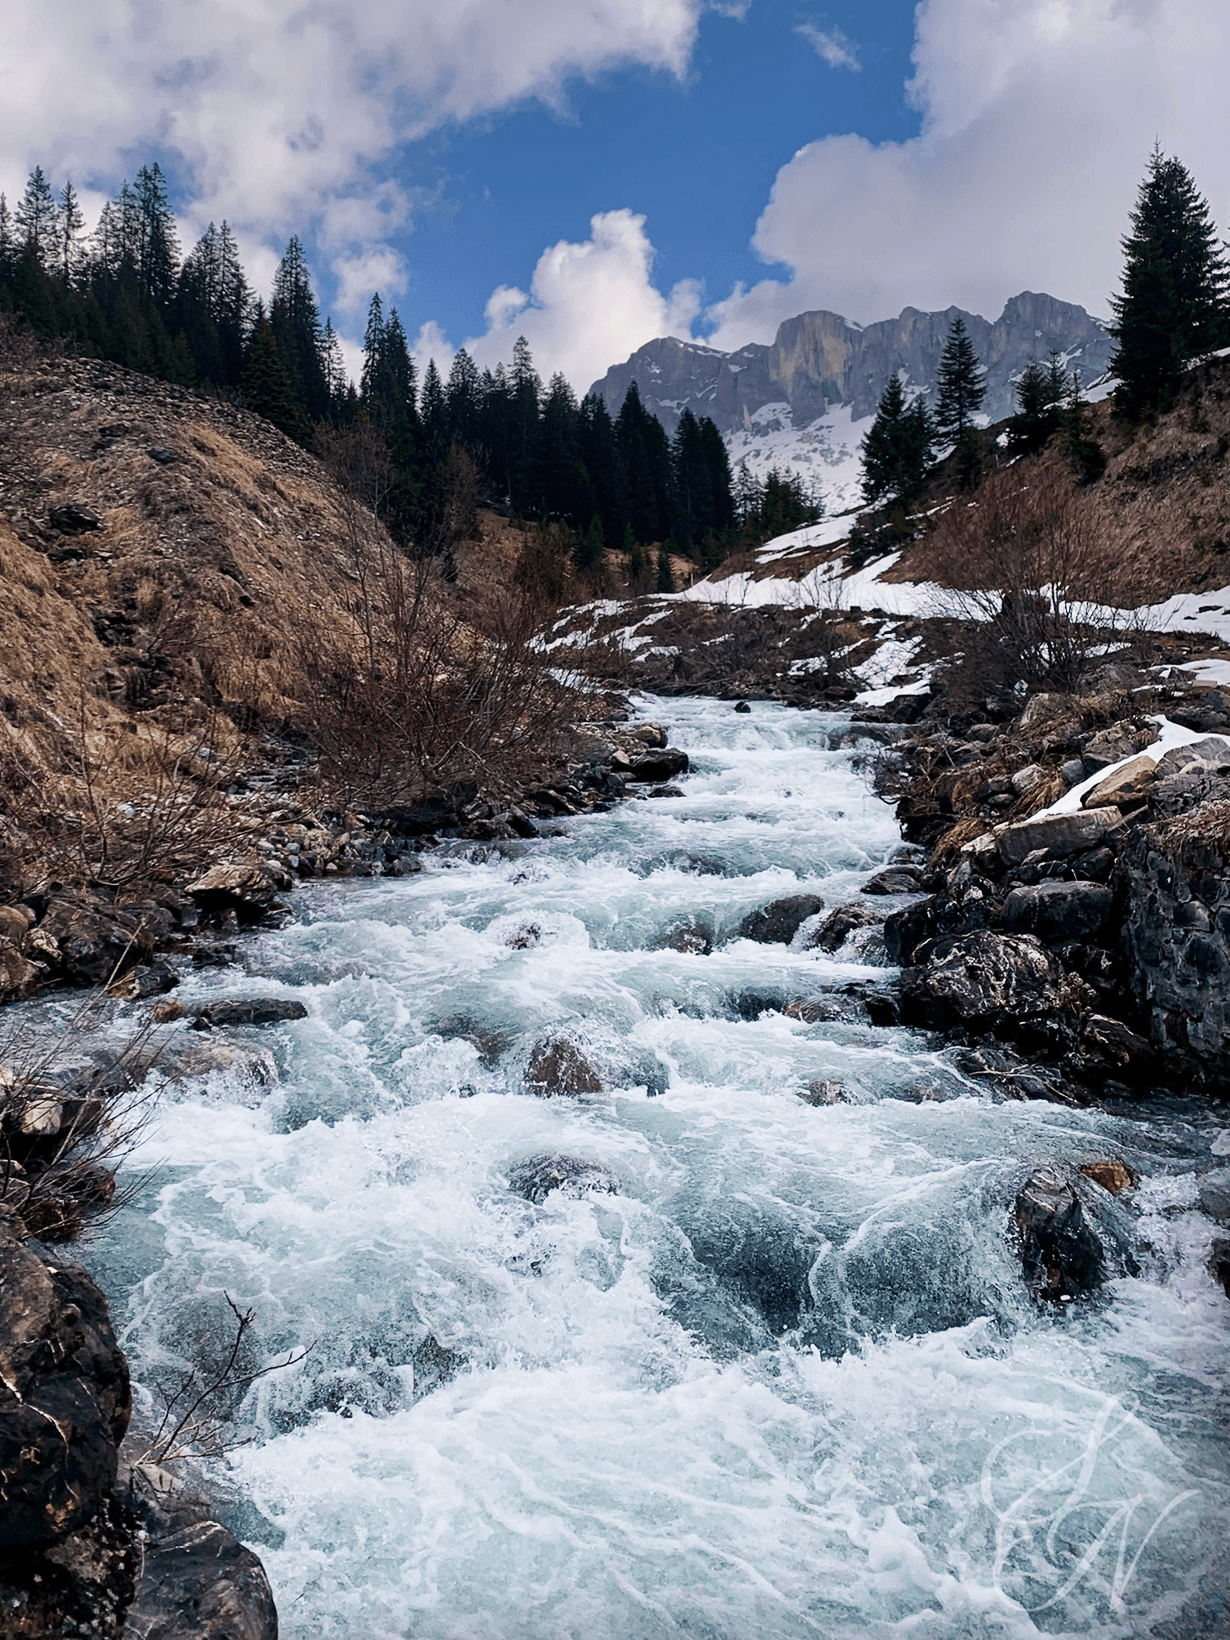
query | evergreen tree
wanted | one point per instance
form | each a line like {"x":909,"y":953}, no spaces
{"x":1086,"y":455}
{"x":565,"y":484}
{"x":898,"y":448}
{"x":433,"y":416}
{"x":294,"y":318}
{"x":8,"y":240}
{"x":36,"y":219}
{"x":266,"y":386}
{"x":464,"y":397}
{"x":1173,"y":306}
{"x":961,"y":385}
{"x":665,"y":579}
{"x":334,"y":366}
{"x":590,"y":551}
{"x":157,"y":244}
{"x":69,"y":225}
{"x":525,"y":390}
{"x":599,"y":455}
{"x":646,"y":460}
{"x":717,"y":458}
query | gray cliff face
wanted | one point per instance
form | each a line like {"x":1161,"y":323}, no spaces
{"x":819,"y":359}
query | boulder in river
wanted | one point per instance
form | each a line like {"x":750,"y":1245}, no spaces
{"x":558,"y":1066}
{"x":691,"y":935}
{"x":64,"y":1397}
{"x":778,"y":922}
{"x":247,"y":890}
{"x":987,"y":979}
{"x":536,"y":1178}
{"x":247,"y":1011}
{"x":1060,"y":1252}
{"x":841,"y":923}
{"x":658,"y":765}
{"x":900,"y":879}
{"x":197,"y":1582}
{"x":87,"y":943}
{"x":1114,"y":1176}
{"x":825,"y":1091}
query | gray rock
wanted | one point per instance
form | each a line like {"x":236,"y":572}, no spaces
{"x":88,"y":944}
{"x":200,"y":1583}
{"x":656,"y":766}
{"x":17,"y":976}
{"x":825,"y":1092}
{"x":538,"y":1177}
{"x":248,"y":890}
{"x":988,"y":979}
{"x":1059,"y":912}
{"x":1214,"y":1200}
{"x":64,"y":1397}
{"x":778,"y":922}
{"x":841,"y":923}
{"x":1060,"y":1254}
{"x":74,"y":518}
{"x":247,"y":1011}
{"x":558,"y":1066}
{"x":894,"y":880}
{"x":1056,"y":834}
{"x":691,"y":935}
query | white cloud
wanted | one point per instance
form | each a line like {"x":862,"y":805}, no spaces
{"x":588,"y":305}
{"x":432,"y":343}
{"x":830,"y":45}
{"x":1038,"y":118}
{"x":277,"y":111}
{"x":359,"y":273}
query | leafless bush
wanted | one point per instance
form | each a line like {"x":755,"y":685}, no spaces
{"x":197,"y":1406}
{"x":119,"y":806}
{"x":1027,"y":564}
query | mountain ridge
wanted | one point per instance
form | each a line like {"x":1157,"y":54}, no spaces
{"x":804,"y":400}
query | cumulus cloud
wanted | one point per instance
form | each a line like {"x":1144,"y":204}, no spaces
{"x":589,"y":304}
{"x":1038,"y":119}
{"x":432,"y":343}
{"x":830,"y":45}
{"x":275,"y":112}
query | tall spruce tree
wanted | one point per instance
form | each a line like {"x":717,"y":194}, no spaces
{"x":1173,"y":307}
{"x":36,"y":219}
{"x":70,"y":221}
{"x":961,"y":386}
{"x":294,"y":318}
{"x":266,"y":386}
{"x":899,"y":446}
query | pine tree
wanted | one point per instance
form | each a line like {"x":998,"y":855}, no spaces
{"x":334,"y":366}
{"x":36,"y":219}
{"x":1040,"y":394}
{"x":433,"y":416}
{"x":69,"y":225}
{"x":294,"y":318}
{"x":665,"y":579}
{"x":157,"y":244}
{"x":8,"y":240}
{"x":961,"y":385}
{"x":899,"y":446}
{"x":526,"y":389}
{"x":590,"y":552}
{"x":266,"y":387}
{"x":1173,"y":306}
{"x":464,"y":396}
{"x":1086,"y":455}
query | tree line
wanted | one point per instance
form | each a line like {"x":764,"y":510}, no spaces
{"x":1174,"y":307}
{"x":125,"y":293}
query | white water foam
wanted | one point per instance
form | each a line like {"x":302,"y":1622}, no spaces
{"x":784,"y":1380}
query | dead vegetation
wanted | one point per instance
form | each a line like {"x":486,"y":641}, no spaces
{"x":216,"y":602}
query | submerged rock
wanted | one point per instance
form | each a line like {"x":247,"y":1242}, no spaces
{"x":656,"y":766}
{"x":558,"y":1066}
{"x":823,"y":1091}
{"x":691,"y":935}
{"x":893,"y":880}
{"x":1113,"y":1176}
{"x":778,"y":922}
{"x":1060,"y":1254}
{"x":536,"y":1178}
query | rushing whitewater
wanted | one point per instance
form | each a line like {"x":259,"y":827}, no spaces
{"x":782,"y":1379}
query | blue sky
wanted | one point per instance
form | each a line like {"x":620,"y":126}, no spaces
{"x":596,"y":174}
{"x":697,"y":156}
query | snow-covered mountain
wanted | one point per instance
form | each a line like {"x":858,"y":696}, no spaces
{"x":806,"y":400}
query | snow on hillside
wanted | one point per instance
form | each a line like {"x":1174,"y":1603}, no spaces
{"x":826,"y":453}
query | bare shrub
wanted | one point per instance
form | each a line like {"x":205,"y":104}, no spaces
{"x":1027,"y":564}
{"x":119,"y":805}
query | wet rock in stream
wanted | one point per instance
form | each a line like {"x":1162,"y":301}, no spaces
{"x":557,"y":1066}
{"x":538,"y":1177}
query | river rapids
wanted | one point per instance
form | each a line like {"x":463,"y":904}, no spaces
{"x":777,"y":1375}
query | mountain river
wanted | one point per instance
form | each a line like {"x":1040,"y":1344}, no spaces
{"x":775,"y":1374}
